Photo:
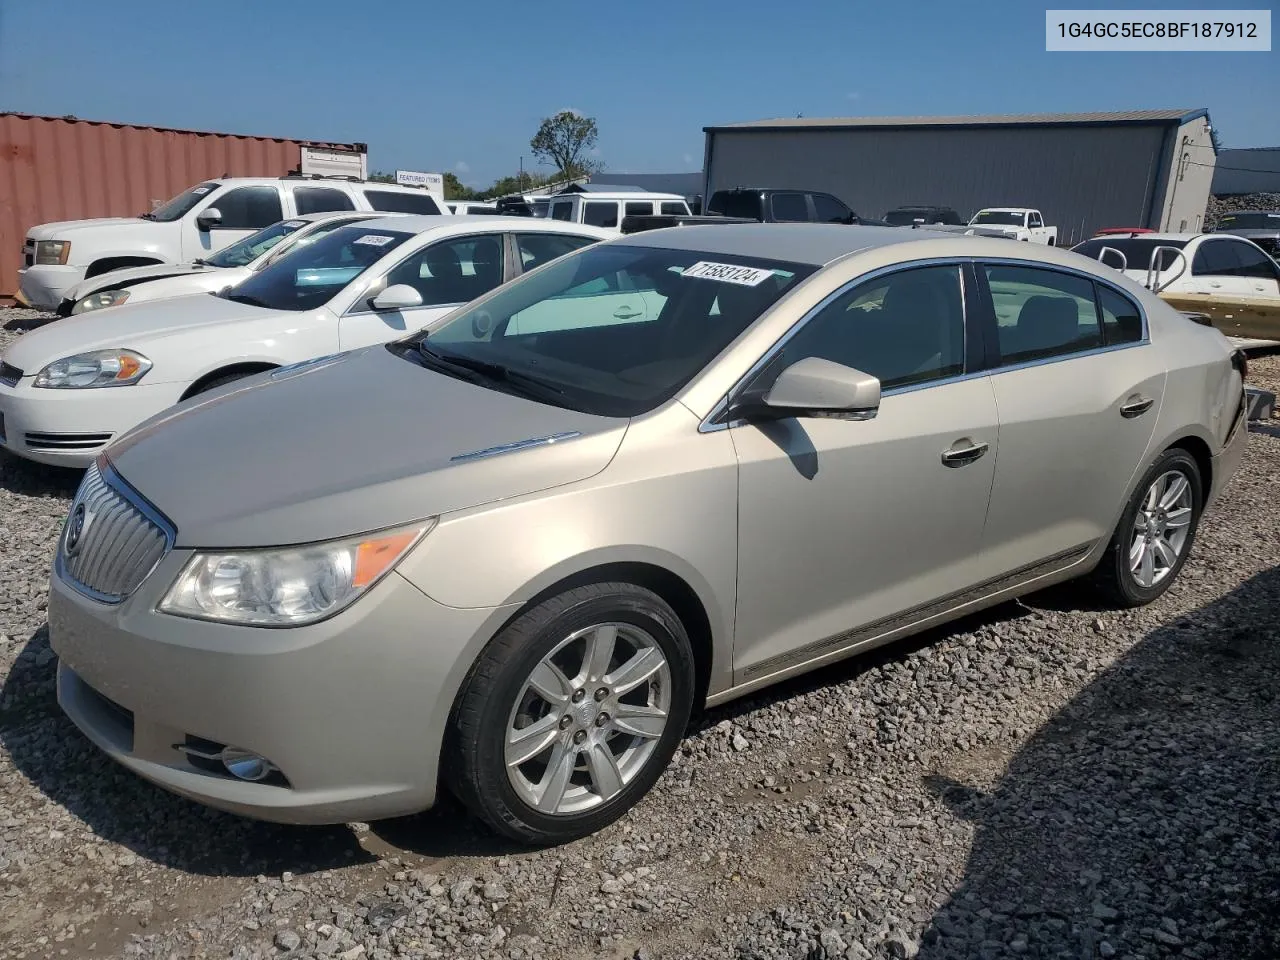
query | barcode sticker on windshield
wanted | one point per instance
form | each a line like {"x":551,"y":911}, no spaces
{"x":295,"y":223}
{"x":375,"y":240}
{"x":728,"y":273}
{"x":201,"y":191}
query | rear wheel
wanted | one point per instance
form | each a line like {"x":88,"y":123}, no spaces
{"x":1155,"y":534}
{"x":571,"y":713}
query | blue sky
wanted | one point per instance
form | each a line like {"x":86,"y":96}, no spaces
{"x":462,"y":86}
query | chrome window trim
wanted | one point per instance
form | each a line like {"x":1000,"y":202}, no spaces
{"x":708,"y":424}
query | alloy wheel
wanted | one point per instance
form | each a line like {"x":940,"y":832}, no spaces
{"x":1160,"y":528}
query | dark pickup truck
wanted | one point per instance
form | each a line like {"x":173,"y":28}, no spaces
{"x":758,"y":205}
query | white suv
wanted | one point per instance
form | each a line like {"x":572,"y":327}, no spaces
{"x":194,"y":224}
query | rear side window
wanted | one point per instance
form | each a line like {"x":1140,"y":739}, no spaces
{"x":789,"y":207}
{"x":1042,"y":313}
{"x":562,"y":211}
{"x":539,"y":248}
{"x":639,"y":208}
{"x":830,"y":210}
{"x":741,"y":204}
{"x":249,"y":208}
{"x":391,"y":201}
{"x":600,"y":213}
{"x":1121,"y":318}
{"x":674,"y":208}
{"x":320,"y":200}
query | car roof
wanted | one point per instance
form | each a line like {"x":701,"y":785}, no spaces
{"x":1182,"y":237}
{"x":468,"y":223}
{"x":1005,"y":209}
{"x":816,"y":244}
{"x":638,"y":195}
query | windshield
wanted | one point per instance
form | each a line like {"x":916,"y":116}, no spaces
{"x":313,"y":274}
{"x":176,"y":208}
{"x":1137,"y":251}
{"x":1002,"y":218}
{"x":1250,"y":221}
{"x":613,"y":330}
{"x":907,"y":216}
{"x":245,"y":251}
{"x":735,"y":203}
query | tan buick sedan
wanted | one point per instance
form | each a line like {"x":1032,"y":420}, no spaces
{"x":510,"y":554}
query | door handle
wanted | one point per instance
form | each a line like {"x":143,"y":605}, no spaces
{"x":1136,"y":407}
{"x":626,"y":313}
{"x":958,"y":456}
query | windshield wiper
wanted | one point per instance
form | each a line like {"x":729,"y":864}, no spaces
{"x":146,"y":216}
{"x":246,"y":299}
{"x":523,"y":383}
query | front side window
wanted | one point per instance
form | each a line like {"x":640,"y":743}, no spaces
{"x":248,"y":208}
{"x":243,"y":252}
{"x":452,"y":271}
{"x":562,"y":210}
{"x":1252,"y":262}
{"x":1215,"y":259}
{"x":182,"y":204}
{"x":904,"y":329}
{"x":1121,"y":318}
{"x":1042,"y":313}
{"x":740,"y":204}
{"x":396,"y":201}
{"x":1033,"y":220}
{"x":539,"y":248}
{"x":830,"y":210}
{"x":320,"y":200}
{"x":789,"y":208}
{"x":611,"y":350}
{"x":313,"y":275}
{"x":600,"y":213}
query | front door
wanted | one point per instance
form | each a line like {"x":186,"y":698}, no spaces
{"x":847,"y":528}
{"x":245,"y":210}
{"x":1078,"y":402}
{"x":447,"y":274}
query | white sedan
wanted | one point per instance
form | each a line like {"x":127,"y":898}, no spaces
{"x":227,"y":267}
{"x":1196,"y":263}
{"x":69,"y":388}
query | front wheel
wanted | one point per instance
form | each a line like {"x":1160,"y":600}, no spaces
{"x":1155,"y":533}
{"x":571,"y":713}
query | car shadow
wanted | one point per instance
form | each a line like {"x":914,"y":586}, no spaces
{"x":30,"y":479}
{"x":1142,"y":819}
{"x":23,"y":324}
{"x":123,"y":808}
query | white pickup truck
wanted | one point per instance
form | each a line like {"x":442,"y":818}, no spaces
{"x":1016,"y":223}
{"x":196,"y":223}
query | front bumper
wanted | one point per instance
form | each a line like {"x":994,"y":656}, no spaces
{"x":352,"y":710}
{"x":43,"y":285}
{"x":69,"y":428}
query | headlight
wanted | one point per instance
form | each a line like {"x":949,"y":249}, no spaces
{"x":101,"y":368}
{"x":104,"y":298}
{"x":52,"y":251}
{"x":289,"y":586}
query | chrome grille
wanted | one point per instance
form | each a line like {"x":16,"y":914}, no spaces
{"x":112,"y":540}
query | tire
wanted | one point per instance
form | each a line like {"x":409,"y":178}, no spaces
{"x":497,"y":698}
{"x":1115,"y":576}
{"x":1051,"y":242}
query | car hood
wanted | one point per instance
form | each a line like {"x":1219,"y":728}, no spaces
{"x":348,"y":444}
{"x":128,"y":276}
{"x":62,"y":229}
{"x":124,"y":326}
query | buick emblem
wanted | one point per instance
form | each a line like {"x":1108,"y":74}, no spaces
{"x":75,"y":530}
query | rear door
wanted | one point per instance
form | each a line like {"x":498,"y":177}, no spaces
{"x":789,"y":207}
{"x":1078,"y":392}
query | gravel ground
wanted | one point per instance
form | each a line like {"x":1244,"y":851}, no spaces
{"x":1045,"y":780}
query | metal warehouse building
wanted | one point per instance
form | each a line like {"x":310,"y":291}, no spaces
{"x":1141,"y":168}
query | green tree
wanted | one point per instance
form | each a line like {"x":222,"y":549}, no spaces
{"x":382,"y":177}
{"x":1216,"y":138}
{"x":566,"y":141}
{"x":455,"y":189}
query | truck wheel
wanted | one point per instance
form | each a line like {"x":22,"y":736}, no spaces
{"x":1051,"y":243}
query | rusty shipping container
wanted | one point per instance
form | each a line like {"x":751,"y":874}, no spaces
{"x":56,"y":168}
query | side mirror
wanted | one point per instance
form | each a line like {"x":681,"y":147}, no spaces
{"x":813,"y":387}
{"x":210,"y":217}
{"x":398,"y":296}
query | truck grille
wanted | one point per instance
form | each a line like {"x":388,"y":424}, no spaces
{"x":9,"y":374}
{"x":112,"y":540}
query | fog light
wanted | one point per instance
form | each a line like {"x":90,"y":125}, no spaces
{"x":245,"y":765}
